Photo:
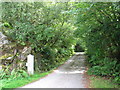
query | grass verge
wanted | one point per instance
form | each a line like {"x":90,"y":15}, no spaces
{"x":19,"y":82}
{"x":100,"y":82}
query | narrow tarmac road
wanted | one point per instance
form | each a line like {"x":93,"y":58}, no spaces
{"x":69,"y":75}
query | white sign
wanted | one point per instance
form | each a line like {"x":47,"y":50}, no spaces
{"x":30,"y":64}
{"x":0,"y":67}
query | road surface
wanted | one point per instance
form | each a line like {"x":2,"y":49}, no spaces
{"x":69,"y":75}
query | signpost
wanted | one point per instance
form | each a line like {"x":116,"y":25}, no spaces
{"x":30,"y":64}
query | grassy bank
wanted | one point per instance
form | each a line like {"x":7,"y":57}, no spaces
{"x":100,"y":82}
{"x":19,"y":82}
{"x":14,"y":83}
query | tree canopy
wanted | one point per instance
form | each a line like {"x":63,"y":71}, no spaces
{"x":98,"y":27}
{"x":53,"y":29}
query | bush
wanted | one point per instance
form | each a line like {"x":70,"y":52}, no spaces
{"x":99,"y":27}
{"x":14,"y":74}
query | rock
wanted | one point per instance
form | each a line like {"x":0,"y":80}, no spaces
{"x":24,"y":52}
{"x":16,"y":54}
{"x":3,"y":39}
{"x":9,"y":58}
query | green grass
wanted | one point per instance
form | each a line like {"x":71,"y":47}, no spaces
{"x":11,"y":83}
{"x":99,"y":82}
{"x":19,"y":82}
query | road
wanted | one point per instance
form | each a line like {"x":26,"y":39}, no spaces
{"x":68,"y":75}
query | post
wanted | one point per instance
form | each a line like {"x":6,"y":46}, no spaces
{"x":30,"y":64}
{"x":0,"y":59}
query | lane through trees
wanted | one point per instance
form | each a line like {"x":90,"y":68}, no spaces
{"x":69,"y":75}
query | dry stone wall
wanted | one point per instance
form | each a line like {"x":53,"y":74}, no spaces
{"x":11,"y":54}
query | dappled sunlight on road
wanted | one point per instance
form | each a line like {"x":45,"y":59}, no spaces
{"x":74,"y":65}
{"x":72,"y":72}
{"x":68,"y":75}
{"x":80,"y":53}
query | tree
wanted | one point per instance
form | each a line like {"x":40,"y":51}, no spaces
{"x":45,"y":27}
{"x":98,"y":26}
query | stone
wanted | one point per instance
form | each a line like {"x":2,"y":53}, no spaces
{"x":24,"y":53}
{"x":16,"y":53}
{"x":3,"y":41}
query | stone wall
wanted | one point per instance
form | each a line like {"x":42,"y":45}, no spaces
{"x":12,"y":54}
{"x":3,"y":41}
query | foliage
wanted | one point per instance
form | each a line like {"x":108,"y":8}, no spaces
{"x":46,"y":27}
{"x":15,"y":83}
{"x":79,"y":46}
{"x":99,"y":28}
{"x":14,"y":74}
{"x":98,"y":82}
{"x":5,"y":56}
{"x":49,"y":27}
